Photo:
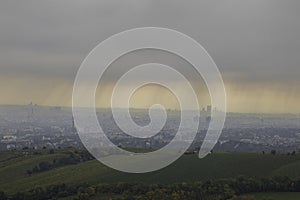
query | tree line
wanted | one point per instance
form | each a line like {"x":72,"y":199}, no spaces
{"x":223,"y":189}
{"x":73,"y":157}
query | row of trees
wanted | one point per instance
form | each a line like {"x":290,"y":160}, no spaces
{"x":73,"y":157}
{"x":209,"y":190}
{"x":273,"y":152}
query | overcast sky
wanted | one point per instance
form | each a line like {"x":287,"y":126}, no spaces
{"x":255,"y":44}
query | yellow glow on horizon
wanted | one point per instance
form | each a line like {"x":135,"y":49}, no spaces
{"x":260,"y":98}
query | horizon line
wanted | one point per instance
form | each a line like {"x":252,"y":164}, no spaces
{"x":171,"y":109}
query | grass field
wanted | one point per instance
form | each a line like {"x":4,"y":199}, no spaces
{"x":14,"y":164}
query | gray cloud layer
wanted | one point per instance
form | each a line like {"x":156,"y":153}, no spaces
{"x":252,"y":41}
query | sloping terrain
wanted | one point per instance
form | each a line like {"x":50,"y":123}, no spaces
{"x":14,"y":166}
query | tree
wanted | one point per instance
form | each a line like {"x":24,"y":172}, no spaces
{"x":2,"y":196}
{"x":273,"y":152}
{"x":29,"y":172}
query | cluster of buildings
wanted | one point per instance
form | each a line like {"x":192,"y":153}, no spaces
{"x":48,"y":127}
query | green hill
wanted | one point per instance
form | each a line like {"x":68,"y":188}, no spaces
{"x":14,"y":166}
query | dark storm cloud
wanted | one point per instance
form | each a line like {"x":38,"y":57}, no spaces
{"x":257,"y":39}
{"x":254,"y":42}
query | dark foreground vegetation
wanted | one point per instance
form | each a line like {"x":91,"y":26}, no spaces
{"x":208,"y":190}
{"x":74,"y":174}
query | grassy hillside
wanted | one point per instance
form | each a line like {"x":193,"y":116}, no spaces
{"x":14,"y":166}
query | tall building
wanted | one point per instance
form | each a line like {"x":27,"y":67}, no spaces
{"x":30,"y":114}
{"x":73,"y":125}
{"x":208,"y":108}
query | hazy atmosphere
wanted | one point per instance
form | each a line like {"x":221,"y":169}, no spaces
{"x":254,"y":43}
